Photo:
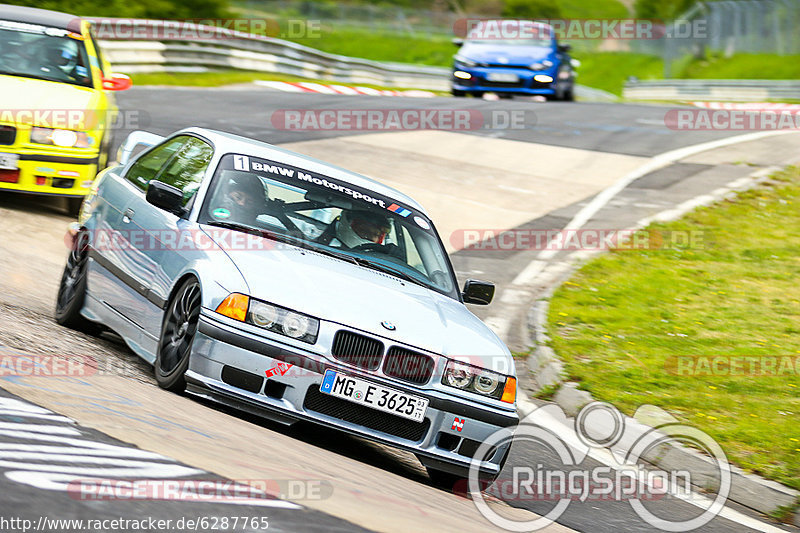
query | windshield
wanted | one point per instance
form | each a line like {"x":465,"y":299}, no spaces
{"x":42,"y":52}
{"x":331,"y":216}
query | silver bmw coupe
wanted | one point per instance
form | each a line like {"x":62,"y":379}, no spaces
{"x":290,"y":288}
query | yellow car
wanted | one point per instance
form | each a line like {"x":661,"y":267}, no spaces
{"x":56,"y":113}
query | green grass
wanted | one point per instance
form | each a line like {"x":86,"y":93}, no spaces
{"x":745,"y":66}
{"x":609,"y":70}
{"x":422,"y":49}
{"x":596,"y":9}
{"x":622,"y":319}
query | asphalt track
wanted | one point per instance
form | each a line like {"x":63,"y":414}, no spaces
{"x":621,"y":129}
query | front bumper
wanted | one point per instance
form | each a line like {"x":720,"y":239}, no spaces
{"x":229,"y":364}
{"x":479,"y":82}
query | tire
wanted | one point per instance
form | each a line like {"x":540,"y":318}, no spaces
{"x":177,"y":335}
{"x":569,"y":95}
{"x":457,"y":93}
{"x":72,"y":289}
{"x":74,"y":206}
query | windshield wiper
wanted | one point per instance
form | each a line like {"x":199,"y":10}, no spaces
{"x":368,"y":263}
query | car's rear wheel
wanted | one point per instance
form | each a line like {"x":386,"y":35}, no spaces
{"x":72,"y":290}
{"x":177,"y":334}
{"x":74,"y":206}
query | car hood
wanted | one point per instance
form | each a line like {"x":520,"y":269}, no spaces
{"x":361,"y":298}
{"x":498,"y":53}
{"x":28,"y":94}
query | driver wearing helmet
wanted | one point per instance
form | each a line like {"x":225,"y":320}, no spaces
{"x":357,"y":228}
{"x":63,"y":54}
{"x":243,"y":198}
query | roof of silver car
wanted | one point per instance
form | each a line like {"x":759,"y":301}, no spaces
{"x":228,"y":142}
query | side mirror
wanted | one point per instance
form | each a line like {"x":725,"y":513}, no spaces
{"x":458,"y":41}
{"x":117,"y":82}
{"x":575,"y":63}
{"x":564,"y":48}
{"x":133,"y":140}
{"x":165,"y":197}
{"x":478,"y":292}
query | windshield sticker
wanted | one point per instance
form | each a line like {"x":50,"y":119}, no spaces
{"x":403,"y":212}
{"x":221,"y":212}
{"x":241,"y":162}
{"x":421,"y":222}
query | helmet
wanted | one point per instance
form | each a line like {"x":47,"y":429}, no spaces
{"x":62,"y":53}
{"x":362,"y":227}
{"x":243,"y":195}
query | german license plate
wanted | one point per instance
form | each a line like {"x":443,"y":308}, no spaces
{"x":502,"y":77}
{"x":373,"y":395}
{"x":8,"y":161}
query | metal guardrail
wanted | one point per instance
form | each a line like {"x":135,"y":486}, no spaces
{"x":217,"y":48}
{"x":712,"y":90}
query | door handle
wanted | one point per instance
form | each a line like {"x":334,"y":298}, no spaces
{"x":127,"y":215}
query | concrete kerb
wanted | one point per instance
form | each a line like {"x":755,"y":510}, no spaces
{"x":545,"y":370}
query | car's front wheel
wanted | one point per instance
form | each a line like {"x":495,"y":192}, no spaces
{"x":72,"y":290}
{"x":177,"y":334}
{"x":457,"y":93}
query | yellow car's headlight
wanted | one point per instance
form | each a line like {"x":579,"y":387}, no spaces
{"x":62,"y":138}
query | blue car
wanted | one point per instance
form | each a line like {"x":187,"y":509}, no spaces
{"x":512,"y":57}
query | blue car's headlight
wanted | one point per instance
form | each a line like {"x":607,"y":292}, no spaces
{"x":270,"y":317}
{"x":543,"y":65}
{"x":464,"y":62}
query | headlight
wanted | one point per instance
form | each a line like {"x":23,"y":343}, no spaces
{"x":458,"y":375}
{"x":465,"y":62}
{"x":484,"y":382}
{"x":263,"y":315}
{"x":543,"y":78}
{"x":270,"y":317}
{"x":295,"y":325}
{"x":541,"y":66}
{"x":62,"y":138}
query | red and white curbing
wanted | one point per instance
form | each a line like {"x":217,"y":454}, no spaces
{"x":749,"y":106}
{"x":347,"y":90}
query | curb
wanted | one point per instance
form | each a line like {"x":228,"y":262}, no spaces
{"x":546,"y":370}
{"x":337,"y":89}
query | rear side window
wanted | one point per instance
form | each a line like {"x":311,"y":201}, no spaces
{"x":146,"y":168}
{"x":187,"y":167}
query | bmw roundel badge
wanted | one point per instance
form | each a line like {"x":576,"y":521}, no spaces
{"x":388,"y":325}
